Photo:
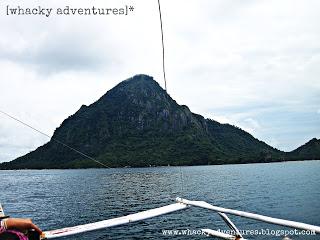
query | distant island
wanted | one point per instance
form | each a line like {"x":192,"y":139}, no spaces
{"x":137,"y":124}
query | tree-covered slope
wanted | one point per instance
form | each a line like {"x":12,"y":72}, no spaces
{"x":138,"y":124}
{"x":308,"y":151}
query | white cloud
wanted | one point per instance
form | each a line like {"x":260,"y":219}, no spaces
{"x":250,"y":125}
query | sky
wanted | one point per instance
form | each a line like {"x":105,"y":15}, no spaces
{"x":253,"y":64}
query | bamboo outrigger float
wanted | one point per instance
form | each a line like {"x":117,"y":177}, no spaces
{"x":181,"y":205}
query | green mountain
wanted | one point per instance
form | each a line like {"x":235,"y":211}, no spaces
{"x":138,"y":124}
{"x":308,"y":151}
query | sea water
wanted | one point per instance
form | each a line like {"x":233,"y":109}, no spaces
{"x":62,"y":198}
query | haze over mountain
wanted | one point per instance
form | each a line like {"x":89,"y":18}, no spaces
{"x":138,"y":124}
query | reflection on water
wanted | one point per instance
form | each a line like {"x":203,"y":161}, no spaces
{"x":60,"y":198}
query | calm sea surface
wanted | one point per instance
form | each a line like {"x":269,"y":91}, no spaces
{"x":61,"y":198}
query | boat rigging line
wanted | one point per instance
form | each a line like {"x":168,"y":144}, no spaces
{"x":165,"y":79}
{"x":54,"y":139}
{"x":163,"y":49}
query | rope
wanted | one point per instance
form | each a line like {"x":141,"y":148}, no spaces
{"x":165,"y":82}
{"x":163,"y":49}
{"x":54,"y":139}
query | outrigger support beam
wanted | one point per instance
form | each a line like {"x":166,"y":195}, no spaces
{"x":236,"y":233}
{"x":114,"y":222}
{"x":231,"y":225}
{"x":277,"y":221}
{"x":2,"y":215}
{"x":221,"y":235}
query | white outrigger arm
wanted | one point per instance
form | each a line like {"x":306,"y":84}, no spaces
{"x":180,"y":205}
{"x":223,"y":211}
{"x":114,"y":222}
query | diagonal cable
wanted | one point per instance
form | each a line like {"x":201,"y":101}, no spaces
{"x":53,"y":139}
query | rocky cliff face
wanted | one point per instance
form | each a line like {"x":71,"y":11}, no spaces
{"x":138,"y":124}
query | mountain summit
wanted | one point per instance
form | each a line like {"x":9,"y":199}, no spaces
{"x":138,"y":124}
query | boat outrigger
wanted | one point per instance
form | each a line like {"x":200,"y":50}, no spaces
{"x":182,"y":204}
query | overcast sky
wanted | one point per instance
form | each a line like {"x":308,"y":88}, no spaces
{"x":250,"y":63}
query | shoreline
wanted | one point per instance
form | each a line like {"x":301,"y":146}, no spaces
{"x":149,"y":167}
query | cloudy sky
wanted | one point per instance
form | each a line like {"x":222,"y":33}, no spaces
{"x":250,"y":63}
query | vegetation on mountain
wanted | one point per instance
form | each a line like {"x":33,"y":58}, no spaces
{"x":309,"y":151}
{"x":138,"y":124}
